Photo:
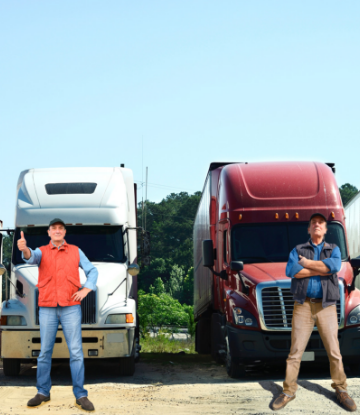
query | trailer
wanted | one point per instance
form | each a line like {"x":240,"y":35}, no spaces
{"x":352,"y":214}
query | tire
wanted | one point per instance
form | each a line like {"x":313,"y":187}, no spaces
{"x":11,"y":367}
{"x":355,"y":369}
{"x":233,"y":369}
{"x":203,"y":336}
{"x":127,"y":366}
{"x":137,"y":349}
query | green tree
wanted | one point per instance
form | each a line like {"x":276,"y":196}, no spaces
{"x":191,"y":320}
{"x":170,"y":224}
{"x":347,"y":192}
{"x":188,"y":287}
{"x":159,"y":311}
{"x":159,"y":287}
{"x":158,"y":268}
{"x":175,"y":284}
{"x":7,"y":251}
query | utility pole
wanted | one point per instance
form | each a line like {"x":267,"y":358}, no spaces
{"x":146,"y":195}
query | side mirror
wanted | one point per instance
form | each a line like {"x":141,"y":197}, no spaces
{"x":207,"y":253}
{"x":133,"y":269}
{"x":236,"y":266}
{"x":2,"y":269}
{"x":355,"y":262}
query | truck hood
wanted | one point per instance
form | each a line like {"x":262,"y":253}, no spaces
{"x":276,"y":271}
{"x":109,"y":278}
{"x":265,"y":271}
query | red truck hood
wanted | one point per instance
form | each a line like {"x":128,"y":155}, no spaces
{"x":265,"y":272}
{"x":270,"y":271}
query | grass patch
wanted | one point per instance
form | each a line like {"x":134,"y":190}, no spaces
{"x":163,"y":344}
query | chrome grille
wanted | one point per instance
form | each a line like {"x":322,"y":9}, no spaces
{"x":88,"y":308}
{"x":276,"y":306}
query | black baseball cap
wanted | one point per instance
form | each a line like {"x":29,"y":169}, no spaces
{"x":318,"y":214}
{"x":57,"y":220}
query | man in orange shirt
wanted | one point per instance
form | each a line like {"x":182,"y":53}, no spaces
{"x":59,"y":302}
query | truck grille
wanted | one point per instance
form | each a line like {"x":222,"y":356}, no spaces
{"x":88,"y":308}
{"x":277,"y":307}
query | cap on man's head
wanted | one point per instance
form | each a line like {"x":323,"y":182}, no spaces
{"x":318,"y":214}
{"x":57,"y":220}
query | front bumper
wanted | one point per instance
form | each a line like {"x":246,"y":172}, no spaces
{"x":250,"y":347}
{"x":22,"y":344}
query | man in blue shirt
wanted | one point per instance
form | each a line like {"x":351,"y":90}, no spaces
{"x":313,"y":268}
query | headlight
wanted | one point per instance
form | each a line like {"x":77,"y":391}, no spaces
{"x":244,"y":318}
{"x":16,"y":321}
{"x":353,"y":317}
{"x":119,"y":319}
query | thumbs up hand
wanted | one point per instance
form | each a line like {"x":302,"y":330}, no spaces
{"x":21,"y":243}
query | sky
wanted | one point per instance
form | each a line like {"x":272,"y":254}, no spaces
{"x":176,"y":85}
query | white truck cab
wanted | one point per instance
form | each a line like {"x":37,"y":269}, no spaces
{"x":98,"y":206}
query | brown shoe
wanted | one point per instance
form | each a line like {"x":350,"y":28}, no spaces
{"x":84,"y":403}
{"x":38,"y":400}
{"x":281,"y":401}
{"x":346,"y":401}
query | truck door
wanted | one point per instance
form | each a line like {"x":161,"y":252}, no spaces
{"x":223,"y":256}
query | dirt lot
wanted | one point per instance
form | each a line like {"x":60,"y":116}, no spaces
{"x":175,"y":384}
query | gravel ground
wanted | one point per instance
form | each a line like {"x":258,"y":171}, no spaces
{"x":176,"y":384}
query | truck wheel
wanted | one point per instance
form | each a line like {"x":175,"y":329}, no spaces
{"x":355,"y":369}
{"x":11,"y":367}
{"x":233,"y":369}
{"x":203,"y":336}
{"x":127,"y":366}
{"x":137,"y":349}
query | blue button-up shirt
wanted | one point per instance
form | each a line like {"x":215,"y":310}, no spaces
{"x":90,"y":271}
{"x":314,"y":289}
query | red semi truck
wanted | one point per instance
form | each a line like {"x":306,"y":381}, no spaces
{"x":251,"y":215}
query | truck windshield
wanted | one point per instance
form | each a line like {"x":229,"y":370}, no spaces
{"x":272,"y":242}
{"x":99,"y":243}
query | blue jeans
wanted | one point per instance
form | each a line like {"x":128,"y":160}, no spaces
{"x":70,"y":319}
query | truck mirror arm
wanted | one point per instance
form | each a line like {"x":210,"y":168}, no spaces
{"x":116,"y":287}
{"x":134,"y":229}
{"x":8,"y":231}
{"x":223,"y":274}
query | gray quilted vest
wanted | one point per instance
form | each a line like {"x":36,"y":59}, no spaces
{"x":330,"y":284}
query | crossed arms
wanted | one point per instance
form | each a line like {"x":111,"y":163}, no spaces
{"x":312,"y":268}
{"x":300,"y":267}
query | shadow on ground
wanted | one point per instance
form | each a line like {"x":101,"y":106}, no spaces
{"x":170,"y":369}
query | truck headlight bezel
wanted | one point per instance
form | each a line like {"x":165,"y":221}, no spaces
{"x":244,"y":318}
{"x":119,"y":319}
{"x":16,"y":321}
{"x":353,"y":317}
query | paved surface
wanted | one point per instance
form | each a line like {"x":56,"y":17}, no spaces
{"x":175,"y":384}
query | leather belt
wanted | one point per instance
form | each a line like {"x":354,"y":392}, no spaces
{"x":313,"y":300}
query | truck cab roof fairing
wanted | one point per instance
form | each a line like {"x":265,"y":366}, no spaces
{"x":288,"y":186}
{"x":107,"y":204}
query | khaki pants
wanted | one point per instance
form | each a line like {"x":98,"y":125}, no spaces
{"x":304,"y":317}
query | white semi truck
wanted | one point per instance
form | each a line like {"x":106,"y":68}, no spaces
{"x":98,"y":206}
